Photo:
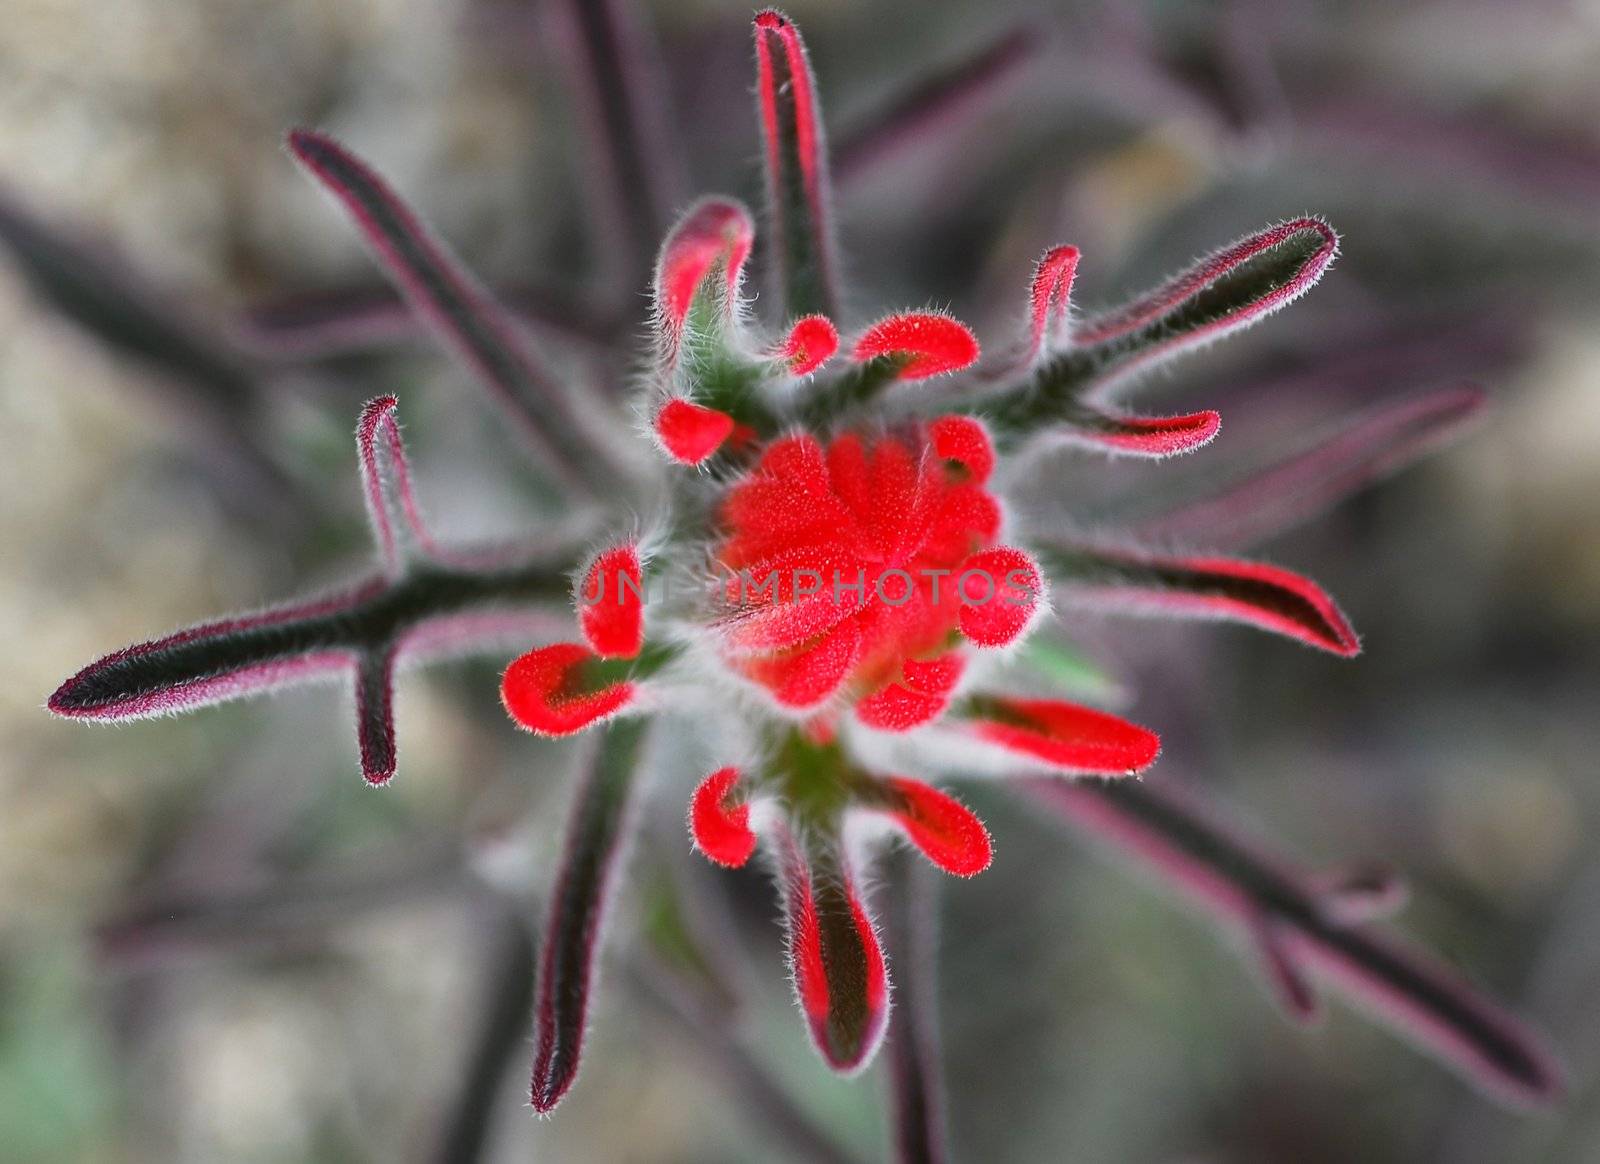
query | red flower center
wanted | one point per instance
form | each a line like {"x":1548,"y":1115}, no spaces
{"x":845,"y":564}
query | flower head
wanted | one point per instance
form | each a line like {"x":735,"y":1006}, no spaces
{"x":847,"y":496}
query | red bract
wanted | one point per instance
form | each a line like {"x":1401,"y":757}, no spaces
{"x":1067,"y":737}
{"x":712,"y":239}
{"x":548,"y":691}
{"x":946,"y":831}
{"x":720,"y":827}
{"x":611,"y":603}
{"x":920,"y":343}
{"x":810,"y":344}
{"x":690,"y":433}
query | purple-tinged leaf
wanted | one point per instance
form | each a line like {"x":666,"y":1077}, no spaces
{"x":948,"y":97}
{"x":1469,"y":146}
{"x":119,"y":307}
{"x":633,"y":151}
{"x":1285,"y":979}
{"x":1244,"y":888}
{"x":916,"y":1082}
{"x":1222,"y":293}
{"x":1302,"y":484}
{"x":375,"y":715}
{"x":497,"y":1041}
{"x":835,"y":962}
{"x":209,"y":385}
{"x":597,"y":837}
{"x":437,"y":604}
{"x":1201,"y":586}
{"x":798,"y":190}
{"x":386,"y":487}
{"x":462,"y":314}
{"x":327,"y":324}
{"x":160,"y":925}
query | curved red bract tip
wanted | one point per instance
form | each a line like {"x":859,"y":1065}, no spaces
{"x":839,"y":972}
{"x":929,"y":344}
{"x":721,"y":828}
{"x":1050,"y":295}
{"x":1070,"y":737}
{"x":690,"y":432}
{"x":811,"y":342}
{"x":542,"y":691}
{"x":1000,"y":589}
{"x":712,"y":231}
{"x":611,"y":603}
{"x":966,"y":442}
{"x":1156,"y":436}
{"x":946,"y":831}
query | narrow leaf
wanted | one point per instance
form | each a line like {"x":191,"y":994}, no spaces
{"x":208,"y":384}
{"x":116,"y":305}
{"x":1177,"y":586}
{"x":1227,"y":290}
{"x":462,"y":314}
{"x":339,"y":322}
{"x":1302,"y":484}
{"x":375,"y":715}
{"x":597,"y":836}
{"x":798,"y":194}
{"x":927,"y":112}
{"x":1222,"y":293}
{"x":836,"y":963}
{"x":386,"y":486}
{"x":634,"y":154}
{"x":1420,"y":998}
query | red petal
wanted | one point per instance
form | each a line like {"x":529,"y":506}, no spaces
{"x":937,"y":676}
{"x":810,"y":344}
{"x":1070,"y":737}
{"x":713,"y":231}
{"x":897,"y":708}
{"x":611,"y":604}
{"x":946,"y":831}
{"x":721,"y":828}
{"x":923,"y":694}
{"x":806,"y":676}
{"x":930,"y":344}
{"x":689,"y":432}
{"x":542,"y":693}
{"x":1000,"y":590}
{"x":964,"y":441}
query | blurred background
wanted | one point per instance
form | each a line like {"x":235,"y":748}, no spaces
{"x":216,"y":945}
